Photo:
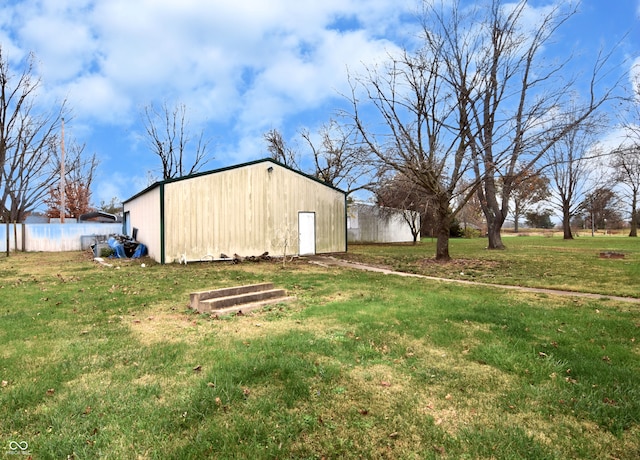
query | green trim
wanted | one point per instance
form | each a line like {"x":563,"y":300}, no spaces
{"x":161,"y":186}
{"x":346,"y":224}
{"x":162,"y":249}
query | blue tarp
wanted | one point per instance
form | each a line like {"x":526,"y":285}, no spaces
{"x":118,"y":248}
{"x":140,"y":251}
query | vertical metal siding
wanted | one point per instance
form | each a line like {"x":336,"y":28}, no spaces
{"x":243,"y":210}
{"x":144,"y":214}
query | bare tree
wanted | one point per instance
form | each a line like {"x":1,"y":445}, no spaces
{"x":600,"y":209}
{"x":513,"y":97}
{"x":471,"y":215}
{"x":626,"y":159}
{"x":113,"y":206}
{"x":168,"y":137}
{"x":28,"y":141}
{"x":337,"y":158}
{"x":418,"y":129}
{"x":569,"y":169}
{"x":528,"y":190}
{"x":279,"y":150}
{"x":26,"y":177}
{"x":625,"y":164}
{"x":630,"y":115}
{"x":396,"y":193}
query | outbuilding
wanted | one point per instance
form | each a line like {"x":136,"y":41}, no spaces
{"x":369,"y":223}
{"x":246,"y":210}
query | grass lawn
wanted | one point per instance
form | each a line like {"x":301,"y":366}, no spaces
{"x":108,"y":362}
{"x":541,"y":262}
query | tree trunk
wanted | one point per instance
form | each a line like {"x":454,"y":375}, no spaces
{"x":566,"y":230}
{"x":516,"y":218}
{"x":493,"y":211}
{"x":634,"y":217}
{"x":442,"y":243}
{"x":444,"y":229}
{"x":495,"y":220}
{"x":495,"y":238}
{"x":566,"y":223}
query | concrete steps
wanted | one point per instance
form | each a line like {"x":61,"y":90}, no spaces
{"x":238,"y":299}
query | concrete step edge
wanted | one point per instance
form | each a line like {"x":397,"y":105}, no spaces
{"x":247,"y":307}
{"x":239,"y":299}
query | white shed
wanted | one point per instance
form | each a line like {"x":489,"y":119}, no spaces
{"x":248,"y":209}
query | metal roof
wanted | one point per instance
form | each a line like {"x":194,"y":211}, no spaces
{"x":228,"y":168}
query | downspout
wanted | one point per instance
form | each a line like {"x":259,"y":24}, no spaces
{"x":162,"y":251}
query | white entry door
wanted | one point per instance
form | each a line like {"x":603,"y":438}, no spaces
{"x":306,"y":233}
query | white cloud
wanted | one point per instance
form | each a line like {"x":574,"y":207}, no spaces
{"x":147,"y":49}
{"x":240,"y":66}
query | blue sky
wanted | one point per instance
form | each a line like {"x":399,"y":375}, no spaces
{"x":241,"y":67}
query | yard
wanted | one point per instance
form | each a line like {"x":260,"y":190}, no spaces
{"x":99,"y":361}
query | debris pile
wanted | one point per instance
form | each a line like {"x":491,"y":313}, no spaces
{"x":120,"y":247}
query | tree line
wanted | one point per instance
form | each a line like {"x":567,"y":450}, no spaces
{"x":479,"y":122}
{"x":474,"y":123}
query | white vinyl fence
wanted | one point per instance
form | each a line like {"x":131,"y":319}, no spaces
{"x":372,"y":224}
{"x":55,"y":237}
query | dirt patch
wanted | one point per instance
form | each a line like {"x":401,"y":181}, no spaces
{"x":153,"y":327}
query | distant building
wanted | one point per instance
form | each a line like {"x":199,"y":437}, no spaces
{"x":248,"y":209}
{"x":36,"y":219}
{"x":368,"y":223}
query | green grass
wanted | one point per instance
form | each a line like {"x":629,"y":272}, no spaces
{"x":108,"y":362}
{"x":541,"y":262}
